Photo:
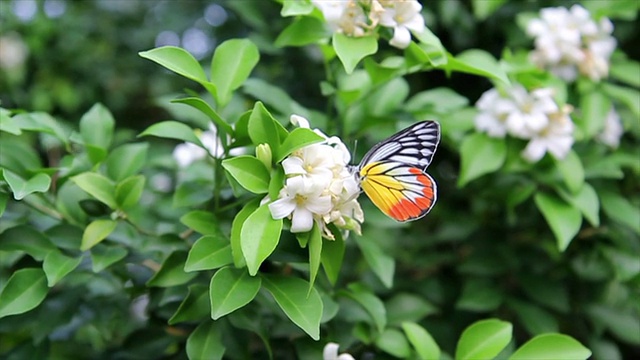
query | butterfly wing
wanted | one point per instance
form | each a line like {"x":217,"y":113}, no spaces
{"x":392,"y":172}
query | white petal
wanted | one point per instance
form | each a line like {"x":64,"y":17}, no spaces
{"x":281,"y":208}
{"x":535,"y":150}
{"x":346,"y":357}
{"x":301,"y":221}
{"x":401,"y":37}
{"x":320,"y":205}
{"x":293,"y":165}
{"x":330,"y":351}
{"x":299,"y":121}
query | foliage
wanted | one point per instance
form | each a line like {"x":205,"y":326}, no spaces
{"x":105,"y":240}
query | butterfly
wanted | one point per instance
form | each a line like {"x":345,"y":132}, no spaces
{"x":393,"y":176}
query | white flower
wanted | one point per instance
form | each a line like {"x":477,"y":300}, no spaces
{"x":402,"y":16}
{"x":301,"y":199}
{"x":569,"y":40}
{"x":613,"y":130}
{"x":516,"y":112}
{"x":556,"y":138}
{"x":330,"y":352}
{"x":346,"y":16}
{"x":319,"y":187}
{"x":13,"y":51}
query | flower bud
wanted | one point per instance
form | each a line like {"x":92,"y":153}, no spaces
{"x":263,"y":153}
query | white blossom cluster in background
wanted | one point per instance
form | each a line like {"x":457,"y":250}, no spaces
{"x":612,"y":131}
{"x":360,"y":17}
{"x":531,"y":116}
{"x":13,"y":51}
{"x":569,"y":41}
{"x":187,"y":153}
{"x":330,"y":352}
{"x":319,"y":187}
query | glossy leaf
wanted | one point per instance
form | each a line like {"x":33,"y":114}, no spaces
{"x":98,"y":186}
{"x":550,"y":347}
{"x":382,"y":264}
{"x":572,"y":171}
{"x":303,"y":31}
{"x":26,"y":238}
{"x":232,"y":63}
{"x":315,"y":252}
{"x":263,"y":129}
{"x":96,"y":128}
{"x":21,"y":188}
{"x":594,"y":105}
{"x":209,"y":252}
{"x":231,"y":289}
{"x":477,"y":62}
{"x":201,"y":221}
{"x":394,"y":342}
{"x":292,"y":294}
{"x":171,"y":272}
{"x":480,"y":155}
{"x":25,"y":289}
{"x":421,"y":340}
{"x":483,"y":340}
{"x":586,"y":200}
{"x":236,"y":231}
{"x":103,"y":256}
{"x":172,"y":130}
{"x":206,"y":109}
{"x":57,"y":265}
{"x":563,"y":219}
{"x":332,"y":256}
{"x":179,"y":61}
{"x":293,"y":8}
{"x":206,"y":342}
{"x":126,"y":160}
{"x":371,"y":303}
{"x":129,"y":191}
{"x":406,"y":307}
{"x":259,"y":237}
{"x":249,"y":172}
{"x":351,"y":50}
{"x":95,"y":232}
{"x":194,"y":307}
{"x":297,"y":139}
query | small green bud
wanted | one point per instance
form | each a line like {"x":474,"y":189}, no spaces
{"x":263,"y":153}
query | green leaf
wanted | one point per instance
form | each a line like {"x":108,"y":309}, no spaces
{"x":421,"y":340}
{"x":194,"y":307}
{"x":95,"y":232}
{"x":388,"y":98}
{"x":430,"y":48}
{"x":206,"y":109}
{"x":172,"y":272}
{"x":259,"y":237}
{"x":392,"y":341}
{"x":26,"y":238}
{"x":9,"y":125}
{"x":201,"y":221}
{"x":440,"y":100}
{"x":298,"y":138}
{"x":56,"y":266}
{"x":623,"y":324}
{"x":277,"y":182}
{"x":625,"y":95}
{"x":181,"y":62}
{"x":351,"y":50}
{"x":332,"y":255}
{"x":534,"y":318}
{"x":4,"y":199}
{"x":249,"y":172}
{"x":292,"y":294}
{"x":563,"y":219}
{"x":96,"y":128}
{"x":42,"y":122}
{"x":206,"y":342}
{"x":126,"y":160}
{"x":551,"y":347}
{"x":482,"y":9}
{"x":231,"y":289}
{"x":620,"y":210}
{"x":129,"y":191}
{"x":477,"y":62}
{"x":594,"y":105}
{"x":294,"y":8}
{"x":236,"y":229}
{"x":626,"y":71}
{"x":172,"y":130}
{"x":483,"y":340}
{"x":479,"y":295}
{"x":68,"y":203}
{"x":21,"y":188}
{"x":625,"y":264}
{"x":572,"y":171}
{"x":232,"y":63}
{"x":371,"y":303}
{"x":480,"y":154}
{"x":303,"y":31}
{"x":209,"y":252}
{"x":103,"y":256}
{"x":98,"y":186}
{"x":405,"y":307}
{"x":263,"y":128}
{"x":276,"y":98}
{"x":586,"y":200}
{"x":25,"y":289}
{"x":315,"y":252}
{"x":382,"y":264}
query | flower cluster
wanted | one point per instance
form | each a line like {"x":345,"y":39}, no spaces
{"x":330,"y":352}
{"x":319,"y":187}
{"x":569,"y":41}
{"x":532,"y":116}
{"x":360,"y":17}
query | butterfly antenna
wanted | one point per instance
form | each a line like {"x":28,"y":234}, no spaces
{"x":355,"y":146}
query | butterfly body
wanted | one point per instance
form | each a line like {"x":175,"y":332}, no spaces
{"x":393,"y":176}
